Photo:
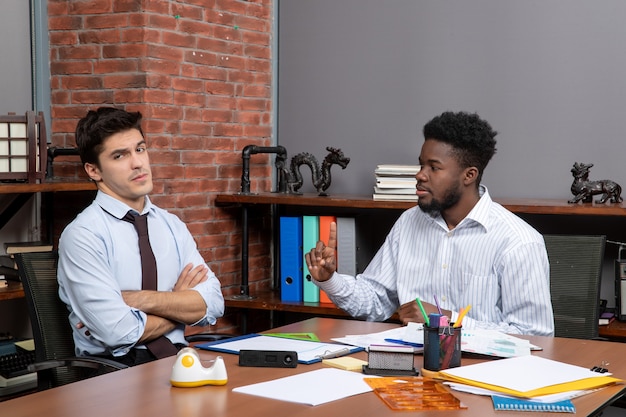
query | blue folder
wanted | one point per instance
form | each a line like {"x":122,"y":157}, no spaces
{"x":291,"y":258}
{"x":308,"y":351}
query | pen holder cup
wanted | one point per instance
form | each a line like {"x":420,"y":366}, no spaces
{"x":442,"y":347}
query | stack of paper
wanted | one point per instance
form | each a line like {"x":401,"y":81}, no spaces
{"x":395,"y":182}
{"x":528,"y":377}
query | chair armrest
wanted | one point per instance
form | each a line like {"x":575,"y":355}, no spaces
{"x":83,"y":362}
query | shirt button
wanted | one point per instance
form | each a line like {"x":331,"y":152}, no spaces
{"x":444,"y":266}
{"x":444,"y":298}
{"x":449,"y":234}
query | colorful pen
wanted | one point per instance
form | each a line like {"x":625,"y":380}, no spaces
{"x":437,"y":304}
{"x":461,"y":315}
{"x":402,"y":342}
{"x":419,"y":304}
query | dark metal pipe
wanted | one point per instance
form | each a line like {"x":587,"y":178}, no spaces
{"x":281,"y":158}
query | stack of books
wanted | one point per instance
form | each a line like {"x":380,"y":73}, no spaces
{"x":395,"y":182}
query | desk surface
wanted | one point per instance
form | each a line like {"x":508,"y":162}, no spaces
{"x":145,"y":390}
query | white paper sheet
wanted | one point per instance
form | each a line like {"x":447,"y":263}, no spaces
{"x":524,"y":373}
{"x":311,"y":388}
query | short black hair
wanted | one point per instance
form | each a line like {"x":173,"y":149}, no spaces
{"x":93,"y":129}
{"x":472,"y":138}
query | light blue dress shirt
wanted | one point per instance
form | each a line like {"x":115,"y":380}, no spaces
{"x":492,"y":260}
{"x":99,"y":258}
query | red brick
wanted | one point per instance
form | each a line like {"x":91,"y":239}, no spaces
{"x":127,"y":5}
{"x":187,"y":12}
{"x":90,"y":7}
{"x":81,"y":82}
{"x":100,"y":36}
{"x":129,"y":50}
{"x":204,"y":88}
{"x":219,"y":88}
{"x":257,"y":38}
{"x":108,"y":66}
{"x":160,"y":66}
{"x":103,"y":21}
{"x":189,"y":99}
{"x":212,"y":73}
{"x":124,"y":81}
{"x":63,"y":38}
{"x":79,"y":52}
{"x":179,"y":39}
{"x":92,"y":97}
{"x":67,"y":67}
{"x":201,"y":58}
{"x":235,"y":7}
{"x":258,"y":51}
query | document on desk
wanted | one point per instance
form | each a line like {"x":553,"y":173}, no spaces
{"x":484,"y":342}
{"x":308,"y":351}
{"x":311,"y":388}
{"x":528,"y":376}
{"x":411,"y":333}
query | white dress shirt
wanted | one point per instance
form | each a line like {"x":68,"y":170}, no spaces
{"x":492,"y":260}
{"x":99,"y":258}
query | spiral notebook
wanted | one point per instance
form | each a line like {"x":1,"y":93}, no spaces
{"x":515,"y":404}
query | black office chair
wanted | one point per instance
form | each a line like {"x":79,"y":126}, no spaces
{"x":575,"y":277}
{"x":56,"y":363}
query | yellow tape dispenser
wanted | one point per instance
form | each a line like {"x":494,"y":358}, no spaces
{"x":188,"y":370}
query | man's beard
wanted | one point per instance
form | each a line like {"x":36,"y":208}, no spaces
{"x":451,"y":197}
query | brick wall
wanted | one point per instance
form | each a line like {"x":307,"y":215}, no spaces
{"x":200,"y":71}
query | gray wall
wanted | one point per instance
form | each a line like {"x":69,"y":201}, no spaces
{"x":365,"y":75}
{"x":15,"y":57}
{"x":549,"y":75}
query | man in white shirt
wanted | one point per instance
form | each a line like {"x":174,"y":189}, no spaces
{"x":100,"y":262}
{"x":457,"y":245}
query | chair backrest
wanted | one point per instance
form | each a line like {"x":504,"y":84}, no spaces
{"x":575,"y":278}
{"x":48,"y":315}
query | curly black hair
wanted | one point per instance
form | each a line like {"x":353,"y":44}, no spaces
{"x":472,"y":138}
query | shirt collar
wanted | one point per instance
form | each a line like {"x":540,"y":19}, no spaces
{"x":480,"y":212}
{"x":116,"y":208}
{"x":478,"y":215}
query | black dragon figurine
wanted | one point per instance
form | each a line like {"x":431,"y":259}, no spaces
{"x":583,"y":189}
{"x":321,"y":175}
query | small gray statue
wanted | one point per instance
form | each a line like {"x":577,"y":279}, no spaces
{"x":583,"y":189}
{"x":321,"y":175}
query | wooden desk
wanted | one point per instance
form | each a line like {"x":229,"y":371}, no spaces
{"x":13,"y":290}
{"x":615,"y":331}
{"x":145,"y":390}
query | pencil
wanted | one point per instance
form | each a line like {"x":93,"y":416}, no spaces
{"x":462,"y":314}
{"x":426,"y":320}
{"x":437,"y":304}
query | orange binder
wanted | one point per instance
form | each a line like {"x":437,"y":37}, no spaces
{"x":325,"y":222}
